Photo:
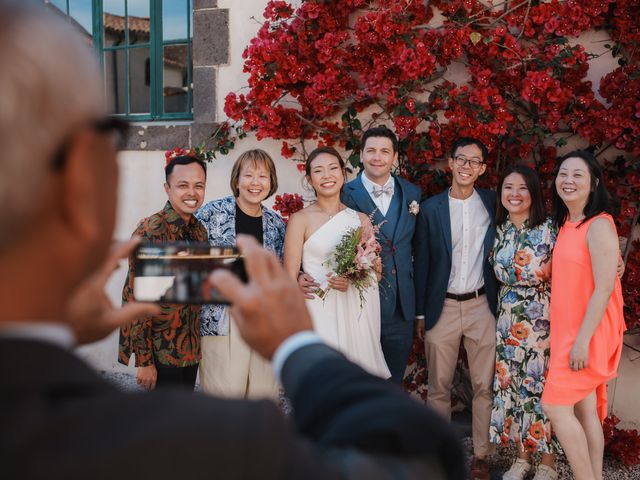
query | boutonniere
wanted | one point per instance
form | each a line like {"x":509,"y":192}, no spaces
{"x":414,"y":208}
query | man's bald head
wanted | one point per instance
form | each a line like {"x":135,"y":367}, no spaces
{"x":51,"y":85}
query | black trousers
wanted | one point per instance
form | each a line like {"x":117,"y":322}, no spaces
{"x":176,"y":376}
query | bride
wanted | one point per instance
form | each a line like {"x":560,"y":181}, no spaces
{"x":340,"y":318}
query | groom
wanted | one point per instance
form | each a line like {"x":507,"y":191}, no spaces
{"x":392,"y":202}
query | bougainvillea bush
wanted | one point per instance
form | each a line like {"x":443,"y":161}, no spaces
{"x":622,"y":444}
{"x":325,"y":71}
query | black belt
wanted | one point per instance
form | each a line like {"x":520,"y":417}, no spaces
{"x":465,"y":296}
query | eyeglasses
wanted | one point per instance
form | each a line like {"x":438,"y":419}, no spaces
{"x":474,"y":163}
{"x":116,"y":127}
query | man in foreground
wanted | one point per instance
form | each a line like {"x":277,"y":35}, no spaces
{"x":60,"y":420}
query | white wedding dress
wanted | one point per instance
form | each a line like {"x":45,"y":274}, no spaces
{"x":338,"y":318}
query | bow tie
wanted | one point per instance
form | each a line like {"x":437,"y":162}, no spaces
{"x":378,"y":191}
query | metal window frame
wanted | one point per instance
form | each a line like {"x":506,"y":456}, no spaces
{"x":156,"y":46}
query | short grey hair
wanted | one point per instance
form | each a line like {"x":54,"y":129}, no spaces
{"x":50,"y":84}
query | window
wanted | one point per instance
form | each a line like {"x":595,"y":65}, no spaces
{"x":145,"y":51}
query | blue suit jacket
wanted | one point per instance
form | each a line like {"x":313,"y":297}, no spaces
{"x":432,"y":255}
{"x":397,"y":259}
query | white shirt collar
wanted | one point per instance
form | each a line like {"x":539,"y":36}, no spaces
{"x":471,"y":198}
{"x":48,"y":332}
{"x":369,"y":185}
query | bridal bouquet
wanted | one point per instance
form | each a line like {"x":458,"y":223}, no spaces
{"x":356,"y":258}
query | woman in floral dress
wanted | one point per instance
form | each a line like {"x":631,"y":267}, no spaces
{"x":522,"y":262}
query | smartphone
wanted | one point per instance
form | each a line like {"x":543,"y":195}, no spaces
{"x":179,"y":272}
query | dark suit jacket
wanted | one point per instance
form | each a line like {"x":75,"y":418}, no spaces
{"x":60,"y":420}
{"x":397,"y":259}
{"x":432,"y":255}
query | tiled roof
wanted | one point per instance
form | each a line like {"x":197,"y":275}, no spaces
{"x":175,"y":56}
{"x":116,"y":23}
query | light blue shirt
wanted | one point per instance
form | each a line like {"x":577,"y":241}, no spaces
{"x":383,"y":201}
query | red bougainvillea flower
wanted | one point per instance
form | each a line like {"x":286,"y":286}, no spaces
{"x":288,"y":204}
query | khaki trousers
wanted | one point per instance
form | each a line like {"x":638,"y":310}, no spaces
{"x":230,"y":369}
{"x":472,"y":322}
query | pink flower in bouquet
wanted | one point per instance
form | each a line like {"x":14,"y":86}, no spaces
{"x":356,"y":258}
{"x":367,"y":251}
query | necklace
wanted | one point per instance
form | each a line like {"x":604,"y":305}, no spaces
{"x":330,"y":215}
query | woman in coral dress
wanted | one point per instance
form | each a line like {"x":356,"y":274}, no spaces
{"x":586,"y":313}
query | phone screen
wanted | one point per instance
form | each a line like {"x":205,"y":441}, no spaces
{"x":179,"y":272}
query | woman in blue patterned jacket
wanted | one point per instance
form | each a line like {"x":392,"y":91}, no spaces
{"x":228,"y":367}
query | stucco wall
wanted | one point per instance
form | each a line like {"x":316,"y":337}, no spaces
{"x":141,"y":180}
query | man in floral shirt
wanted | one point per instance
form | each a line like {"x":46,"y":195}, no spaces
{"x":167,"y":346}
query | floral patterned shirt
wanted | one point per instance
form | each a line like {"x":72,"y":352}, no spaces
{"x":171,"y":338}
{"x":219,"y":218}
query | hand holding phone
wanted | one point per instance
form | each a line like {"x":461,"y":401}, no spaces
{"x":179,"y":272}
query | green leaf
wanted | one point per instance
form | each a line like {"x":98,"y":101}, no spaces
{"x":354,"y":159}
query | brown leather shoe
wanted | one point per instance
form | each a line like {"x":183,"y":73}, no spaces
{"x":479,"y":469}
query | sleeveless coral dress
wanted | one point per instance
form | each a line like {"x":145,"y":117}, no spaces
{"x":571,"y":289}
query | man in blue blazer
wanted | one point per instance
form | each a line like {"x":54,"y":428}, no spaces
{"x":456,"y":289}
{"x":393,"y":204}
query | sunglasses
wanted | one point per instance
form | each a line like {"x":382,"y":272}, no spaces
{"x":116,"y":127}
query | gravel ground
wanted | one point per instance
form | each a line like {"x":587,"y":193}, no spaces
{"x":124,"y":381}
{"x":499,"y":463}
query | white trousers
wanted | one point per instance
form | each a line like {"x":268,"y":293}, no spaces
{"x":230,"y":369}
